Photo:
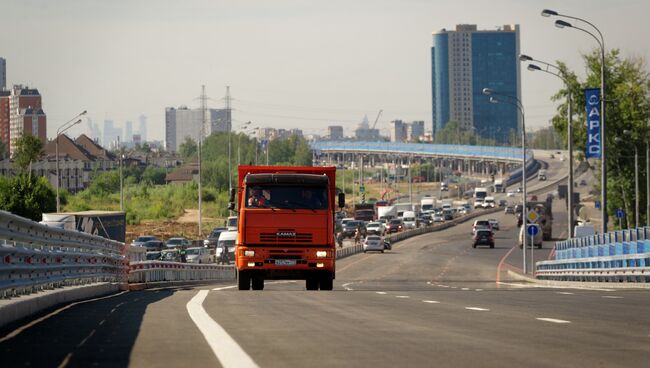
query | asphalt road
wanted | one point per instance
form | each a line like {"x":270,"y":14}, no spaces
{"x":431,"y":302}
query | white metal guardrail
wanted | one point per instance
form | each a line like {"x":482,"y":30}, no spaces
{"x":159,"y":271}
{"x":35,"y":257}
{"x":618,"y":256}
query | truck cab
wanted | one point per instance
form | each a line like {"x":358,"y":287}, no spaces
{"x":286,"y":226}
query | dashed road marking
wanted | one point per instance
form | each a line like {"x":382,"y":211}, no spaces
{"x":612,"y":297}
{"x":553,"y":320}
{"x":402,"y":296}
{"x":465,"y":289}
{"x":477,"y":309}
{"x":431,"y":301}
{"x":227,"y":351}
{"x":381,"y":292}
{"x":345,"y":286}
{"x":554,"y":287}
{"x":565,"y":293}
{"x":479,"y":289}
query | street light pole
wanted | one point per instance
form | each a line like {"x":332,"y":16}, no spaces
{"x":517,"y":103}
{"x":533,"y":67}
{"x":67,"y":125}
{"x":603,"y":133}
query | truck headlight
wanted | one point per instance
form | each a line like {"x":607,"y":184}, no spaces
{"x":249,"y":253}
{"x":321,"y":253}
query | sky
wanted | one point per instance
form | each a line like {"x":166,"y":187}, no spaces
{"x":289,"y":63}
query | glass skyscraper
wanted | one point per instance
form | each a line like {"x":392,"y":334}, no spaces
{"x":463,"y":62}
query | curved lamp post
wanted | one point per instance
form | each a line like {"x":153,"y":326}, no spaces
{"x":67,"y":125}
{"x":533,"y":67}
{"x":601,"y":42}
{"x":512,"y":100}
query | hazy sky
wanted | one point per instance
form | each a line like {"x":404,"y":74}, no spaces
{"x":290,"y":63}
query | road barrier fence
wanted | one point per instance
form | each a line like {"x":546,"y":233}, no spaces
{"x":618,"y":256}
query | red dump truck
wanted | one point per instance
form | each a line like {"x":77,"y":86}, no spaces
{"x":286,"y":225}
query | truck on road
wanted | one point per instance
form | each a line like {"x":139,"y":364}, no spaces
{"x":286,"y":225}
{"x":364,"y":211}
{"x":427,"y":204}
{"x":386,"y":212}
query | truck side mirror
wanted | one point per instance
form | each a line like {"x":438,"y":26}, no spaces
{"x":341,"y":200}
{"x":231,"y":206}
{"x":233,"y":192}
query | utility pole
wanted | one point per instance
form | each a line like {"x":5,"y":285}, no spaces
{"x":229,"y":123}
{"x":204,"y":113}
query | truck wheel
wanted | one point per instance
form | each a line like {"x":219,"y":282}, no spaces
{"x":243,"y":280}
{"x":311,"y":283}
{"x":327,"y":281}
{"x":258,"y":283}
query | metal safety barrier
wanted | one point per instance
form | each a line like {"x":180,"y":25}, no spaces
{"x":159,"y":271}
{"x":36,"y":257}
{"x":618,"y":256}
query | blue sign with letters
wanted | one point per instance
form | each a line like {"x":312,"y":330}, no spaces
{"x":620,"y":213}
{"x":592,"y":96}
{"x":532,"y":230}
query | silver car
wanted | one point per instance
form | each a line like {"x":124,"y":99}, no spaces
{"x":373,"y":243}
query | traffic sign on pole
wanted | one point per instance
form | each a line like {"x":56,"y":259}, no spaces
{"x":532,"y":230}
{"x":532,"y":216}
{"x":620,"y":213}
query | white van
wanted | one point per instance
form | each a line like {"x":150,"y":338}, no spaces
{"x":583,"y":230}
{"x":537,"y":239}
{"x":409,"y":220}
{"x":488,"y":202}
{"x":226,"y":239}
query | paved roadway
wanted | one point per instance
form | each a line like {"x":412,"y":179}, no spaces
{"x":431,"y":302}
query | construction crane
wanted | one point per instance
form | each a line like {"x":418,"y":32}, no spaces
{"x":377,"y":119}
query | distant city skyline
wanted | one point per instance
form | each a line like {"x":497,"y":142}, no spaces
{"x":289,"y":64}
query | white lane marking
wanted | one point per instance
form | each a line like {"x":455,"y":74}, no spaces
{"x":431,"y":301}
{"x":402,"y":296}
{"x":381,"y":292}
{"x":266,"y":282}
{"x":612,"y":297}
{"x":554,"y":287}
{"x":553,"y":320}
{"x":227,"y":351}
{"x":345,"y":286}
{"x":224,"y":287}
{"x":465,"y":289}
{"x":565,"y":293}
{"x":442,"y":285}
{"x":479,"y":289}
{"x":477,"y":309}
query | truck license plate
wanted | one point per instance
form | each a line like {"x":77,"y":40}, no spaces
{"x":285,"y":262}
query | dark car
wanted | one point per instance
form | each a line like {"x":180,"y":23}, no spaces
{"x":213,"y":238}
{"x":153,"y":245}
{"x":395,"y":226}
{"x":140,"y":240}
{"x":483,"y":237}
{"x":425,"y":220}
{"x":350,"y":228}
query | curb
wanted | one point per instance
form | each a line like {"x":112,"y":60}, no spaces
{"x":584,"y":285}
{"x":18,"y":308}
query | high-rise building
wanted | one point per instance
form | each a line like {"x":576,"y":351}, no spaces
{"x":415,"y":131}
{"x":397,"y":131}
{"x":111,"y":134}
{"x":143,"y":127}
{"x":128,"y":132}
{"x":26,"y":115}
{"x":182,"y":123}
{"x":335,"y":132}
{"x":3,"y":74}
{"x":463,"y":62}
{"x":365,"y":133}
{"x":4,"y":119}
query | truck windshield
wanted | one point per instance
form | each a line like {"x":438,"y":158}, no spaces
{"x":286,"y":196}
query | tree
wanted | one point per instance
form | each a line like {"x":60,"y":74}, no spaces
{"x":454,"y":133}
{"x":188,"y":149}
{"x":27,"y":196}
{"x":28,"y":150}
{"x":627,"y":108}
{"x":4,"y":152}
